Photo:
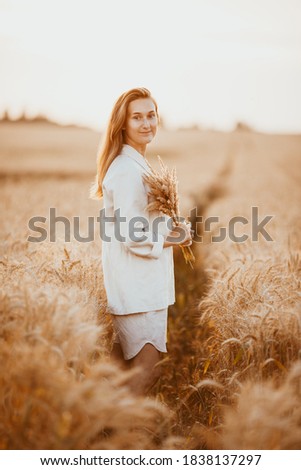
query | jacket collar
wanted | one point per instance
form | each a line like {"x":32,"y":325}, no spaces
{"x":135,"y":155}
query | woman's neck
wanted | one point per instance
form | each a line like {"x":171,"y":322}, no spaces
{"x":141,"y":148}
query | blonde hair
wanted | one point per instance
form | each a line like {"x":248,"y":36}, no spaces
{"x":113,"y":139}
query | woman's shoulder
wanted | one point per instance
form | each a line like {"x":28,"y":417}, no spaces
{"x":122,"y":165}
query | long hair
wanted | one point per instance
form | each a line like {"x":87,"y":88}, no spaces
{"x":114,"y":139}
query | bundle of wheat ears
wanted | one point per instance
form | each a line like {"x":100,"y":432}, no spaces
{"x":164,"y":191}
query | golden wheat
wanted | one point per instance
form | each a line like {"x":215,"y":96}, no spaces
{"x":164,"y":194}
{"x":231,"y":376}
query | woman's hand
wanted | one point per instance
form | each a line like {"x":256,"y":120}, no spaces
{"x":187,"y":243}
{"x":180,"y":235}
{"x":190,"y":234}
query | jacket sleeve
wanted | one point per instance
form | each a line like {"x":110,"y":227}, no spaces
{"x":130,"y":200}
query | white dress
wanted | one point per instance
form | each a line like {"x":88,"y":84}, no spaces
{"x":133,"y":331}
{"x":138,"y":274}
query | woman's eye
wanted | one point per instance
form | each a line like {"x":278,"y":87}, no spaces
{"x":151,"y":116}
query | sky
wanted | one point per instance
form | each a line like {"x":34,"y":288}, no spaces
{"x":206,"y":62}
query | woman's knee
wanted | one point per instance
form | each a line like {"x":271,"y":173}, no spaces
{"x":156,"y":372}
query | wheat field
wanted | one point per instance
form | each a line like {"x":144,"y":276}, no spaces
{"x":232,"y":377}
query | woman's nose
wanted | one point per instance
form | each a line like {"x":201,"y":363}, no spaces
{"x":146,"y":123}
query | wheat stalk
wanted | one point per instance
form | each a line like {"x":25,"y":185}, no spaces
{"x":164,"y":191}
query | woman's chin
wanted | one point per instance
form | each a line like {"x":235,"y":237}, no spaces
{"x":147,"y":138}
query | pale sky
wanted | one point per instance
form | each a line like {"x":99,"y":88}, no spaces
{"x":207,"y":62}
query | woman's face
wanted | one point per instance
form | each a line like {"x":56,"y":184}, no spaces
{"x":141,"y":122}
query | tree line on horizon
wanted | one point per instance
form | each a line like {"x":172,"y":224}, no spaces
{"x":41,"y":118}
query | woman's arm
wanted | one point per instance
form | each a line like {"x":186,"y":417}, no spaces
{"x":130,"y":201}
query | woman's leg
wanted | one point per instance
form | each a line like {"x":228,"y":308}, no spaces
{"x":117,"y":355}
{"x":146,"y":359}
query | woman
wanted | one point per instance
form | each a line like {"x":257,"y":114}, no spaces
{"x":137,"y":249}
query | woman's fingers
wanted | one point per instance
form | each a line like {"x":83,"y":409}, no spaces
{"x":189,"y":233}
{"x":187,"y":243}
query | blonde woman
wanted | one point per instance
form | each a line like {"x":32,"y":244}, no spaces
{"x":137,"y":247}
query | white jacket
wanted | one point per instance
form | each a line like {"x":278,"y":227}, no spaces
{"x":138,"y":275}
